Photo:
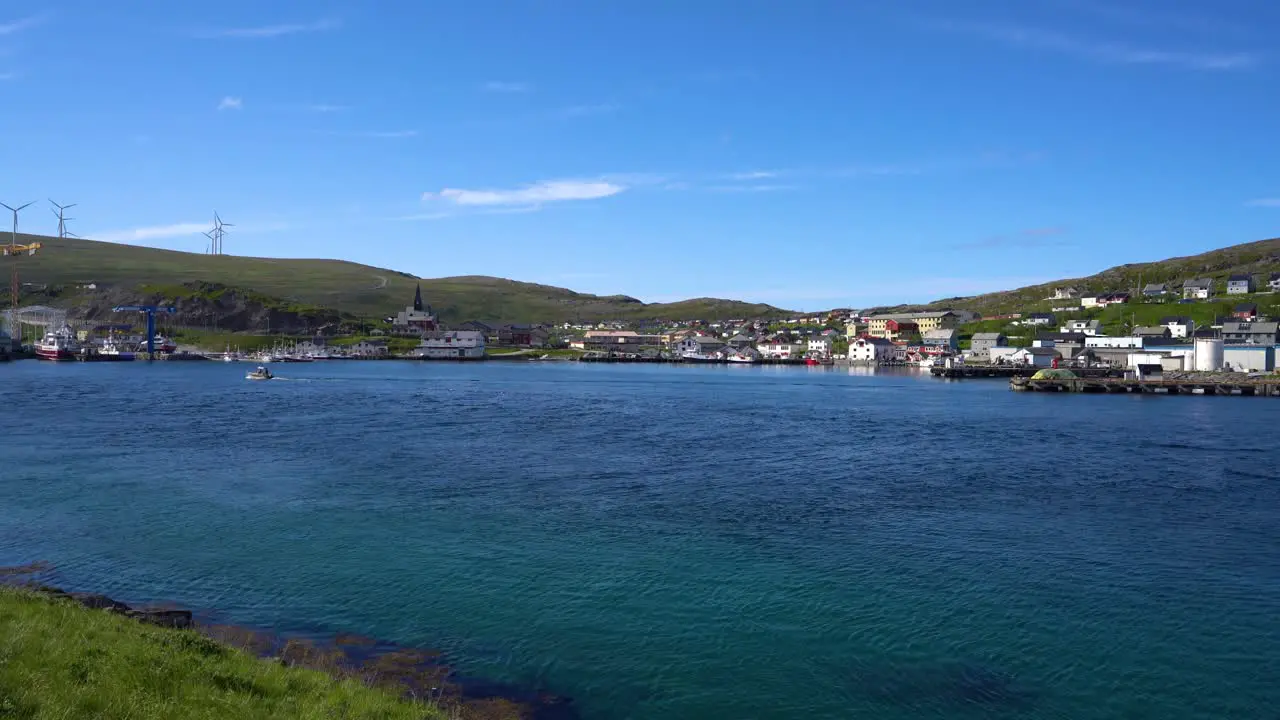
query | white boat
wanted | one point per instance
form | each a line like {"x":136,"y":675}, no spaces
{"x":260,"y":374}
{"x":741,"y":358}
{"x":60,"y":344}
{"x":111,"y":348}
{"x":161,"y":344}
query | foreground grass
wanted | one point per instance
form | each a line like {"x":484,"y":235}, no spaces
{"x":60,"y":660}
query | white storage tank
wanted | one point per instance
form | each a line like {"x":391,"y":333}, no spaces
{"x":1208,"y":354}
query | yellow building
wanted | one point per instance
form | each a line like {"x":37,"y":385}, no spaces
{"x":925,"y":321}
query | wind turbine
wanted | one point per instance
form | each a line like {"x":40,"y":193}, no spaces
{"x":13,"y":239}
{"x":208,"y":250}
{"x":219,"y":232}
{"x":62,"y":218}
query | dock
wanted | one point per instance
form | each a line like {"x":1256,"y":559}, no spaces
{"x":1253,"y":387}
{"x":1012,"y":371}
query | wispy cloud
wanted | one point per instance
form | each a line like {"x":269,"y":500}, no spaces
{"x":1265,"y":202}
{"x":535,"y":195}
{"x":1117,"y":53}
{"x":499,"y":86}
{"x":152,"y":232}
{"x":584,"y":110}
{"x":16,"y":26}
{"x":325,"y":108}
{"x":754,"y":175}
{"x":8,"y":76}
{"x":1117,"y":13}
{"x":756,"y":188}
{"x":231,"y":103}
{"x":274,"y":31}
{"x":1026,"y":239}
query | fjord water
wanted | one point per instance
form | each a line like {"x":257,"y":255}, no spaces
{"x":683,"y":542}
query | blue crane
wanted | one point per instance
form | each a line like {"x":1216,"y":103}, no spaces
{"x":151,"y":311}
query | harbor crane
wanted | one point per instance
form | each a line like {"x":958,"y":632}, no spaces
{"x":151,"y":311}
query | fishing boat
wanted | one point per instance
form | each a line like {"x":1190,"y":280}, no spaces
{"x":742,"y":358}
{"x":700,"y":358}
{"x":161,"y":344}
{"x":60,"y":344}
{"x":113,"y":351}
{"x":260,"y":374}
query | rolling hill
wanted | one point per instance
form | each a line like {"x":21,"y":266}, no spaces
{"x":1257,"y":258}
{"x":349,"y":287}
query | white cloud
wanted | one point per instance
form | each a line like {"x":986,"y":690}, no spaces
{"x":498,"y":86}
{"x":17,"y":26}
{"x":154,"y":232}
{"x":1265,"y":202}
{"x":530,"y":195}
{"x":8,"y":76}
{"x":324,"y":108}
{"x":1101,"y":51}
{"x":272,"y":31}
{"x":231,"y":103}
{"x":754,"y":175}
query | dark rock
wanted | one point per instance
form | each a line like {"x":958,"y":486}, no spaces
{"x":99,"y":602}
{"x":164,"y":618}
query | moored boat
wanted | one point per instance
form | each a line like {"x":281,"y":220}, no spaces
{"x":60,"y":344}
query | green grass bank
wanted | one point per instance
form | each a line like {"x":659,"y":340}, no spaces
{"x":59,"y":660}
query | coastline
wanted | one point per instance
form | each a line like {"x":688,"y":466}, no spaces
{"x":418,"y":676}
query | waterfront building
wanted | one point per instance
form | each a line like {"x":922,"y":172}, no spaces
{"x":1179,"y":326}
{"x":451,"y":345}
{"x":981,"y":343}
{"x":942,"y":338}
{"x":780,"y":348}
{"x":370,"y":348}
{"x":870,"y":351}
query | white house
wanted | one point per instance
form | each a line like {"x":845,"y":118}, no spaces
{"x":451,"y":345}
{"x":1274,"y":282}
{"x":820,"y":345}
{"x":1082,"y":327}
{"x":1197,"y":289}
{"x":1089,"y":301}
{"x":1240,"y":284}
{"x":1036,"y":356}
{"x":1065,"y":293}
{"x":780,"y":350}
{"x":870,"y":350}
{"x":1179,"y":327}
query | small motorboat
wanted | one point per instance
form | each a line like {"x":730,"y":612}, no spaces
{"x":260,"y":374}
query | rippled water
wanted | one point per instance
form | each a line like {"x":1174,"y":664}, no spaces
{"x":684,"y":542}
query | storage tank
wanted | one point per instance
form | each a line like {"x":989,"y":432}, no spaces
{"x":1209,"y":352}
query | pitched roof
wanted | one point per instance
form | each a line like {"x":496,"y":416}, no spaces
{"x":1154,"y":287}
{"x":939,"y":334}
{"x":1159,"y":330}
{"x":1197,"y":283}
{"x":1175,"y":320}
{"x":1247,"y":307}
{"x":987,"y":336}
{"x":1241,"y":278}
{"x":1255,"y":328}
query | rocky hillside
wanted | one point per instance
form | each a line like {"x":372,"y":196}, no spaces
{"x":206,"y":305}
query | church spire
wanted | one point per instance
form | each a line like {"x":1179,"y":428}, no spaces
{"x":417,"y":299}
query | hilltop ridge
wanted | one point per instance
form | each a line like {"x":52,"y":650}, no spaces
{"x":1260,"y":257}
{"x":350,"y":287}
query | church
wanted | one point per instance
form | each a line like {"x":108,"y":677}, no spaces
{"x":415,"y":319}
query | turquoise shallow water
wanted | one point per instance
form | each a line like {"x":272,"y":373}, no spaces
{"x":684,"y":542}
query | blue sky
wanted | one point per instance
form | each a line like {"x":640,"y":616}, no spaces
{"x":808,"y":154}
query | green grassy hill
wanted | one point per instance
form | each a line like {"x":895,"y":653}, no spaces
{"x":1259,"y":258}
{"x":350,"y":287}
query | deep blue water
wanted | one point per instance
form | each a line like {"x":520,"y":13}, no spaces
{"x":684,"y":542}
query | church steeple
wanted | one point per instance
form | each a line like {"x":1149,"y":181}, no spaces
{"x":417,"y":299}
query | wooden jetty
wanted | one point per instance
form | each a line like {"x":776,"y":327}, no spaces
{"x":1255,"y":387}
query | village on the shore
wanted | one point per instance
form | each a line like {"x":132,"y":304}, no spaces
{"x":1071,"y":335}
